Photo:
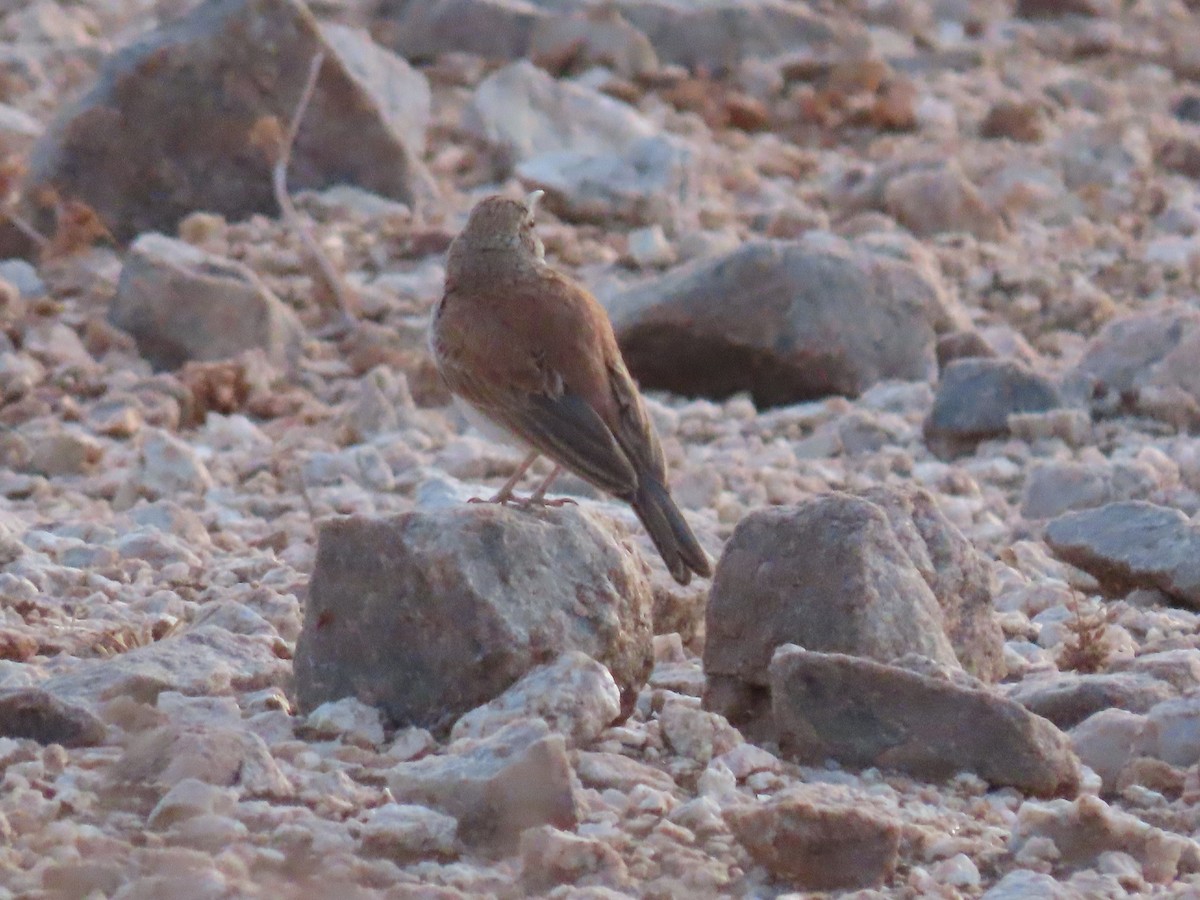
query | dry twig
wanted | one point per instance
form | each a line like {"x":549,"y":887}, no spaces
{"x":343,"y":298}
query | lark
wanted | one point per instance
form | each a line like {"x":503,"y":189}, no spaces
{"x":532,"y":359}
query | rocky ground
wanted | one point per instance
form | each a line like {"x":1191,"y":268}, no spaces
{"x":912,"y":287}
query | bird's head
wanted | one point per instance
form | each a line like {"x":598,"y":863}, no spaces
{"x":498,"y":223}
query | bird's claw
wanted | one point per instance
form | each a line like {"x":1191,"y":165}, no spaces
{"x":525,"y":502}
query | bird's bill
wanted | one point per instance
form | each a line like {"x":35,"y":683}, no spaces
{"x":531,"y":201}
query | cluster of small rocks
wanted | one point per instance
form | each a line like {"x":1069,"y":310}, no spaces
{"x":913,"y":288}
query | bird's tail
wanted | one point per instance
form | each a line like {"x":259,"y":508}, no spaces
{"x":669,"y":531}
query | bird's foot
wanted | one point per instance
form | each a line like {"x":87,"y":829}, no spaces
{"x":526,"y":502}
{"x":557,"y":503}
{"x":502,"y":500}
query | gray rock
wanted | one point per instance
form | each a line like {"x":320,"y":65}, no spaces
{"x":1067,"y":698}
{"x":430,"y":614}
{"x":786,"y":321}
{"x":425,"y":29}
{"x":1054,"y":9}
{"x":975,"y":397}
{"x":1021,"y":884}
{"x":1107,"y":742}
{"x":881,"y":577}
{"x":496,"y":787}
{"x":1173,"y":731}
{"x":830,"y":575}
{"x":182,"y":304}
{"x":40,"y":716}
{"x":960,"y":577}
{"x":167,"y":467}
{"x":863,"y":713}
{"x":521,"y":112}
{"x":552,"y":857}
{"x":108,"y":148}
{"x":1132,"y":544}
{"x":204,"y":660}
{"x":648,"y":182}
{"x":1144,"y":363}
{"x":596,"y":36}
{"x":717,"y":35}
{"x":1053,"y":488}
{"x":936,"y":201}
{"x":818,"y":846}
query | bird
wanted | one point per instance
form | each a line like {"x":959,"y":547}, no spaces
{"x":531,"y":359}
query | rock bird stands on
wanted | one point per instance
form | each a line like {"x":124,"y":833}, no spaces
{"x":531,"y":357}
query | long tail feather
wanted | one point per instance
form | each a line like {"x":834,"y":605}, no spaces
{"x":669,"y":531}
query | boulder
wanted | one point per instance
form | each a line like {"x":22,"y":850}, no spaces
{"x":521,"y":112}
{"x":180,"y":303}
{"x":647,"y":182}
{"x":785,"y":320}
{"x":975,"y":398}
{"x":863,"y":713}
{"x":880,"y":576}
{"x":197,"y":91}
{"x":1143,"y":363}
{"x":432,"y":613}
{"x":1132,"y":544}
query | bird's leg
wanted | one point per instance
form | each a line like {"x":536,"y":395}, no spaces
{"x":505,"y":494}
{"x":538,"y":497}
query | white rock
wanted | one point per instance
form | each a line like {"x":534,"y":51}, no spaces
{"x":1107,"y":741}
{"x":190,"y":797}
{"x":1084,"y":829}
{"x":1173,"y":731}
{"x":575,"y":695}
{"x":522,"y":111}
{"x":649,"y":248}
{"x":405,"y":832}
{"x":348,"y":718}
{"x":167,"y":467}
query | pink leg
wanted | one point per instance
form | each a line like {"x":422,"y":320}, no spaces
{"x":538,"y":497}
{"x":505,"y":494}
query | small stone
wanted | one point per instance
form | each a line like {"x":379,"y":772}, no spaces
{"x":1016,"y":120}
{"x":818,"y":847}
{"x":182,"y":304}
{"x":220,"y":756}
{"x":168,"y":467}
{"x":406,"y":833}
{"x":1083,"y":829}
{"x":574,"y":695}
{"x":354,"y":722}
{"x":40,"y":716}
{"x":942,"y":200}
{"x":495,"y":787}
{"x":649,"y":248}
{"x":551,"y":857}
{"x":190,"y":797}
